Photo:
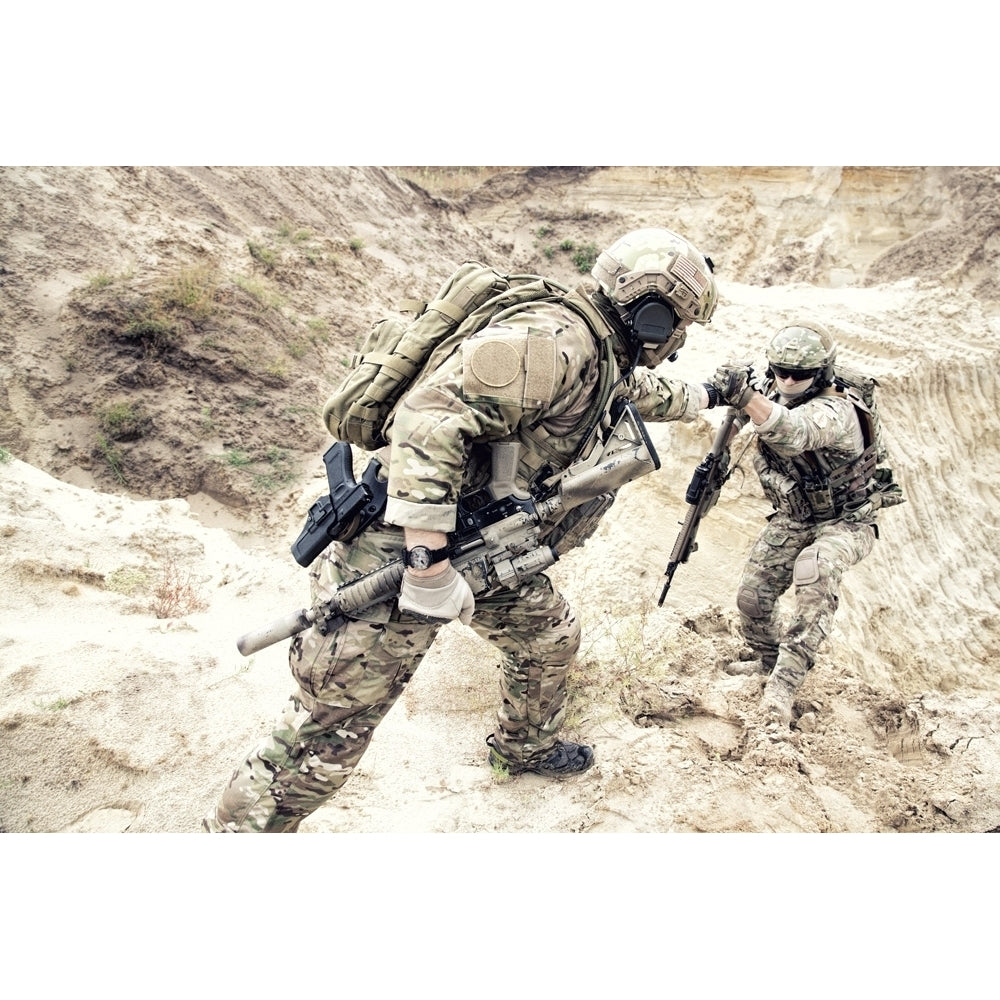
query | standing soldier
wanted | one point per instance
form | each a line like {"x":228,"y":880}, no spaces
{"x":818,"y":448}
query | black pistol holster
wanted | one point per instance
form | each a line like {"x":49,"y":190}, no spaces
{"x":348,"y":508}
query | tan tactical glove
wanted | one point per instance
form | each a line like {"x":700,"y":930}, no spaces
{"x":438,"y":598}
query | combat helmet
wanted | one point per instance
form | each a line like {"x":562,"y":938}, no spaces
{"x":659,"y":284}
{"x":804,"y":347}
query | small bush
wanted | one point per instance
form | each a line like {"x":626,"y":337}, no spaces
{"x":123,"y":421}
{"x":176,"y":594}
{"x":585,"y":257}
{"x":192,"y":290}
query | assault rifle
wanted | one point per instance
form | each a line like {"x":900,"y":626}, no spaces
{"x":496,"y":540}
{"x":702,"y":494}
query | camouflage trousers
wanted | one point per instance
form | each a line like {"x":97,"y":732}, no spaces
{"x":812,"y":558}
{"x":348,"y":681}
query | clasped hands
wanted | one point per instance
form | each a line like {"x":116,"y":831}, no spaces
{"x":732,"y":381}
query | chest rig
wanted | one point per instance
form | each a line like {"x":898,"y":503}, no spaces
{"x":824,"y":484}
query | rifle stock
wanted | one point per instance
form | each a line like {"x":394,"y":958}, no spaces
{"x":702,"y":494}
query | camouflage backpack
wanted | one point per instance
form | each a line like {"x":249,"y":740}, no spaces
{"x":856,"y":384}
{"x":397,"y":353}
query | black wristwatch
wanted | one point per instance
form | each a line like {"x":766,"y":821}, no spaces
{"x":420,"y":557}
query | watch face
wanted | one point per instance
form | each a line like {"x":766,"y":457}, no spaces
{"x":419,"y":557}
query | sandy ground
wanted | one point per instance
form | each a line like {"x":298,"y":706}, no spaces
{"x":119,"y":720}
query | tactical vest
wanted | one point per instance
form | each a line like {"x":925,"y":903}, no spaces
{"x":824,"y":484}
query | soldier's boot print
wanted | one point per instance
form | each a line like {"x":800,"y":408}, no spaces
{"x":779,"y":692}
{"x":564,"y":760}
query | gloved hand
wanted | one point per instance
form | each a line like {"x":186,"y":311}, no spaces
{"x":732,"y":382}
{"x":441,"y":597}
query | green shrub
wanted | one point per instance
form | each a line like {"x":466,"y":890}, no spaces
{"x":123,"y":421}
{"x":585,"y":257}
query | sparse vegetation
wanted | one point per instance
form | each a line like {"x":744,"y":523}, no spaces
{"x":127,"y":580}
{"x":5,"y":456}
{"x":280,"y":473}
{"x":264,"y":256}
{"x":124,"y":421}
{"x":192,"y":290}
{"x":267,"y":297}
{"x":176,"y":593}
{"x":238,"y":459}
{"x":585,"y":257}
{"x":99,"y":281}
{"x":277,"y":468}
{"x":206,"y":423}
{"x":113,"y":456}
{"x":287,"y":231}
{"x":53,"y":706}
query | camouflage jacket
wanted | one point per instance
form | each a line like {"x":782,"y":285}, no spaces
{"x":531,"y":379}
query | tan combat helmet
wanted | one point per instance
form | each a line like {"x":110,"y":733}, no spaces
{"x":656,"y":263}
{"x":804,"y":346}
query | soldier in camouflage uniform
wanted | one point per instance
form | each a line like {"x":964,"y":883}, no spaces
{"x":816,"y":464}
{"x":533,"y":378}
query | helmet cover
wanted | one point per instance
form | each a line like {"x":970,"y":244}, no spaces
{"x":803,"y":346}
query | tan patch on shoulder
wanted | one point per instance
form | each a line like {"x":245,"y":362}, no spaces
{"x":495,"y":363}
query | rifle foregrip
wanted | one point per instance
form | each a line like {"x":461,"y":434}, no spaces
{"x":283,"y":628}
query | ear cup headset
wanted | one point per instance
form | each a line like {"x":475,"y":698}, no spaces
{"x":653,"y":321}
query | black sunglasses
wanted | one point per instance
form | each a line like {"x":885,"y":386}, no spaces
{"x":798,"y":374}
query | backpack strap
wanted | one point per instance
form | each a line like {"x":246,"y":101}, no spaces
{"x":607,"y":374}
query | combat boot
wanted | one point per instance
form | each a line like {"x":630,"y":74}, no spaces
{"x":779,"y":692}
{"x":761,"y":666}
{"x":563,"y":760}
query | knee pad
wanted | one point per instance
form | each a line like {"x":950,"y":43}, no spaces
{"x":806,"y":568}
{"x":748,"y":601}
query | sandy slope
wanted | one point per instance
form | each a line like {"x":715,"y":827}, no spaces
{"x":114,"y":719}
